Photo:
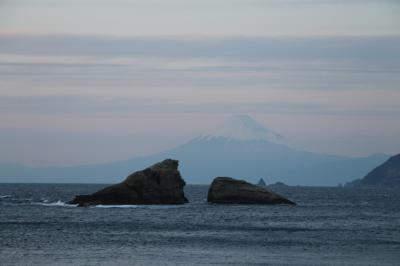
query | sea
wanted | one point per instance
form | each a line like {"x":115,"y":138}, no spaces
{"x":328,"y":226}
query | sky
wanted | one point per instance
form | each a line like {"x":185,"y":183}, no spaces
{"x":96,"y":81}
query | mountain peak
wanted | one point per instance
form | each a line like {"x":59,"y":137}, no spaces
{"x":244,"y":127}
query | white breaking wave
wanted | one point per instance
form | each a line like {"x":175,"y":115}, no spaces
{"x":5,"y":196}
{"x":58,"y":203}
{"x":139,"y":206}
{"x":115,"y":206}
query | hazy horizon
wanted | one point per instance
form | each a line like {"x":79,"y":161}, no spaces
{"x":97,"y":81}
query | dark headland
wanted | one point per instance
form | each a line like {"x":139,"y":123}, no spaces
{"x":385,"y":175}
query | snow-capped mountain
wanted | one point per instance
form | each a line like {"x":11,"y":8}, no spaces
{"x":243,"y":127}
{"x":240,"y":148}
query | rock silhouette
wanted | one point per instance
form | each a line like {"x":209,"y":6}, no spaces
{"x":157,"y":184}
{"x":261,"y":183}
{"x":229,"y":190}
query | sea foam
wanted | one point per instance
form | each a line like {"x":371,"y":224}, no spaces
{"x":58,"y":203}
{"x":139,"y":206}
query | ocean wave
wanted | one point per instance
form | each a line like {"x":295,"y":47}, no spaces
{"x":139,"y":206}
{"x":58,"y":203}
{"x":5,"y":196}
{"x":116,"y":206}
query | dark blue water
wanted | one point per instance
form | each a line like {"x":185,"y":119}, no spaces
{"x":329,"y":226}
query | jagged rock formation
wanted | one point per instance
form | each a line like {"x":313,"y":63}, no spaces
{"x":261,"y":183}
{"x":158,"y":184}
{"x":229,"y":190}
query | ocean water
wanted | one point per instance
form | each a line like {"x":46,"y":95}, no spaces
{"x":329,"y":226}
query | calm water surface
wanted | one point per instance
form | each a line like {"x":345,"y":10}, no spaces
{"x":329,"y":226}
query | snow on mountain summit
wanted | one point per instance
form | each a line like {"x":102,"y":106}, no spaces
{"x":243,"y":127}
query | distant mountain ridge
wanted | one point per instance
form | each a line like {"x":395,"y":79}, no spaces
{"x":250,"y":152}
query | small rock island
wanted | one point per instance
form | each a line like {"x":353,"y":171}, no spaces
{"x":230,"y":191}
{"x":261,"y":183}
{"x":158,"y":184}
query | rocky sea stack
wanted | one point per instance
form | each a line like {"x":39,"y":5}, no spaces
{"x":228,"y":190}
{"x":261,"y":183}
{"x":158,"y":184}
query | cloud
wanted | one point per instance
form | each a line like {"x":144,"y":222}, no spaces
{"x":314,"y":63}
{"x":215,"y":17}
{"x":75,"y":105}
{"x":234,"y":48}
